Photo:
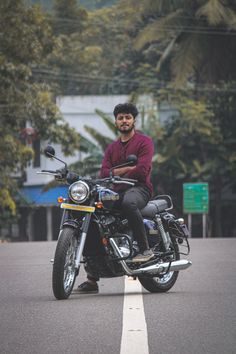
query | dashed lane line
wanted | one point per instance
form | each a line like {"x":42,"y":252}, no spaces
{"x":134,"y":338}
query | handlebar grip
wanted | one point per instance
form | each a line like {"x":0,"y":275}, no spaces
{"x":116,"y":180}
{"x":130,"y":180}
{"x":49,"y":171}
{"x":123,"y":179}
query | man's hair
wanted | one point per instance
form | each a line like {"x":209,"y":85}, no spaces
{"x":128,"y":108}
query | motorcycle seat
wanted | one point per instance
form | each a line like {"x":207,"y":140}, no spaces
{"x":154,"y":207}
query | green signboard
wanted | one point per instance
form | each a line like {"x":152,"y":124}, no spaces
{"x":196,"y":198}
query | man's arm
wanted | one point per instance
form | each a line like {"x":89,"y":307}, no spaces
{"x":122,"y":170}
{"x":144,"y":164}
{"x":106,"y":164}
{"x":106,"y":167}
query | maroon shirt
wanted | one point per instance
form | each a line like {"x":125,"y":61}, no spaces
{"x":116,"y":153}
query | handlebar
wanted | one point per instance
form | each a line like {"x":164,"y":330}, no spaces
{"x":60,"y":174}
{"x":47,"y":172}
{"x":117,"y":180}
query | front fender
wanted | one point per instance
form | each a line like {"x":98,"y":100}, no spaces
{"x":71,"y":223}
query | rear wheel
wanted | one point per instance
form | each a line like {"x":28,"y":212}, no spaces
{"x":64,"y":271}
{"x":164,"y":282}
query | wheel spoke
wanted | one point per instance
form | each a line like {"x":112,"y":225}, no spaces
{"x":165,"y":278}
{"x":69,"y":267}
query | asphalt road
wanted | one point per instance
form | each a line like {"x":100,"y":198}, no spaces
{"x":198,"y":315}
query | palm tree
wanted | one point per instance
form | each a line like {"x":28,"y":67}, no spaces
{"x":94,"y":148}
{"x":199,"y":35}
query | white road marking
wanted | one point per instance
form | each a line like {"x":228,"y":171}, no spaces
{"x":134,"y":333}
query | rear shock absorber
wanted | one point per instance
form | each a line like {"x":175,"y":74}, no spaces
{"x":165,"y":235}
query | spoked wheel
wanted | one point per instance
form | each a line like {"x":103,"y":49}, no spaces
{"x":163,"y":282}
{"x":64,"y":271}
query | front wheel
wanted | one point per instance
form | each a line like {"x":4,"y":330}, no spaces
{"x":165,"y":282}
{"x":64,"y":271}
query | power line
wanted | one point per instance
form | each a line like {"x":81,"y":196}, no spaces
{"x":208,"y":29}
{"x":75,"y":77}
{"x":151,"y":85}
{"x":184,"y":28}
{"x":81,"y":76}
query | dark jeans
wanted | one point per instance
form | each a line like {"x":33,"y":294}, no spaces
{"x":131,"y":202}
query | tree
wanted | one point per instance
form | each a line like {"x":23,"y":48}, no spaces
{"x":223,"y":172}
{"x":68,"y":17}
{"x":197,"y":143}
{"x":97,"y":59}
{"x":94,"y":147}
{"x":25,"y":42}
{"x":198,"y":40}
{"x":199,"y":36}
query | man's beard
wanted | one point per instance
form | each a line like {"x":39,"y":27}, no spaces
{"x":126,"y":131}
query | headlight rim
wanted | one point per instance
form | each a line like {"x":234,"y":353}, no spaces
{"x":85,"y":197}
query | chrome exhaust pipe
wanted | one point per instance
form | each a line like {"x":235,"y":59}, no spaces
{"x":158,"y":268}
{"x":167,"y":266}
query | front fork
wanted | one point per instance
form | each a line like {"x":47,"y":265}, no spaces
{"x":84,"y":230}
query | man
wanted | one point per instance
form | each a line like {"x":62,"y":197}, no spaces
{"x":133,"y":199}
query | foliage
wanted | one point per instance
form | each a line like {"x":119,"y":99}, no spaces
{"x":223,"y":105}
{"x":95,"y":58}
{"x":25,"y":41}
{"x":197,"y":143}
{"x":193,"y":126}
{"x":194,"y":42}
{"x":68,"y":17}
{"x":199,"y":36}
{"x":94,"y":148}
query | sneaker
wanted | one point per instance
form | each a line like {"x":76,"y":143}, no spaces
{"x":87,"y":288}
{"x":143,"y":257}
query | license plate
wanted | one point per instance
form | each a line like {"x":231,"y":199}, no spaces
{"x":88,"y":209}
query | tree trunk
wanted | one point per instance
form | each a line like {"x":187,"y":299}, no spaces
{"x":218,"y":226}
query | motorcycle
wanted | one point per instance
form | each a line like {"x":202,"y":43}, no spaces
{"x":91,"y":202}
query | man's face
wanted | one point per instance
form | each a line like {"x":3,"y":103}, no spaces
{"x":125,"y":122}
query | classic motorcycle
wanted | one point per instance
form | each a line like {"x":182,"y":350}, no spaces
{"x":91,"y":202}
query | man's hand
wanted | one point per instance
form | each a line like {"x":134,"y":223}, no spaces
{"x":122,"y":170}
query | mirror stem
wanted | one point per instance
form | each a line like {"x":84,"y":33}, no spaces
{"x":56,"y":158}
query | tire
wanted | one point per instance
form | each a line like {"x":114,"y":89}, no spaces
{"x":162,"y":283}
{"x":64,"y":271}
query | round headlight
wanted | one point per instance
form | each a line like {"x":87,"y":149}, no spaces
{"x":79,"y":191}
